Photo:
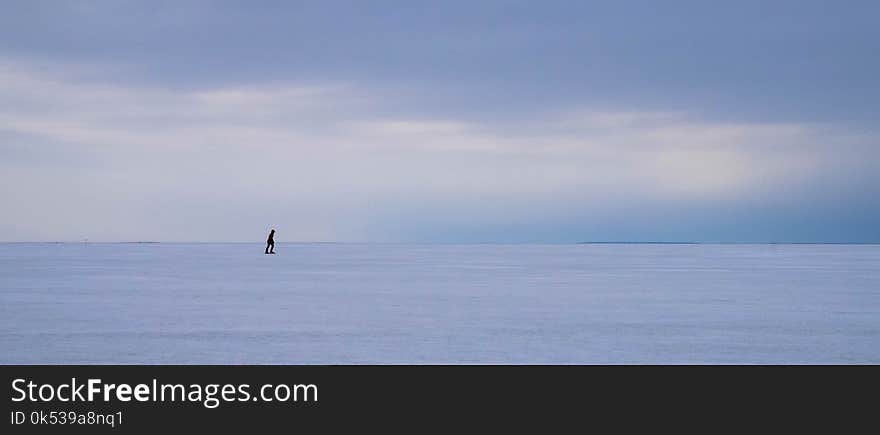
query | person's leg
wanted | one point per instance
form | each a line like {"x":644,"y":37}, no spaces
{"x":267,"y":247}
{"x":272,"y":251}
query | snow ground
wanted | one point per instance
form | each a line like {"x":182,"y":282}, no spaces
{"x":363,"y":303}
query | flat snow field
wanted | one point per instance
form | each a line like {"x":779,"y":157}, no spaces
{"x":389,"y":304}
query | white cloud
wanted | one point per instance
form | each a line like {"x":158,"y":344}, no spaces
{"x":321,"y":156}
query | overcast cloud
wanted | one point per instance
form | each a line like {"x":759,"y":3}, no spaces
{"x":383,"y":121}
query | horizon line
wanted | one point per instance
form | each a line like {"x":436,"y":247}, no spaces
{"x":148,"y":242}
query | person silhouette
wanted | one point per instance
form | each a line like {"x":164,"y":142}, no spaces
{"x":270,"y":243}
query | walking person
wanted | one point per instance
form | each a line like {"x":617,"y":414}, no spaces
{"x":270,"y":244}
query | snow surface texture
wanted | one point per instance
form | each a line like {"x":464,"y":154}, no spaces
{"x":350,"y":303}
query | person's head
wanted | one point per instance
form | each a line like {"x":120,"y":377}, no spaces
{"x":272,"y":231}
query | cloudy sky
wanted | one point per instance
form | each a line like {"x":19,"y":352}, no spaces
{"x":453,"y":121}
